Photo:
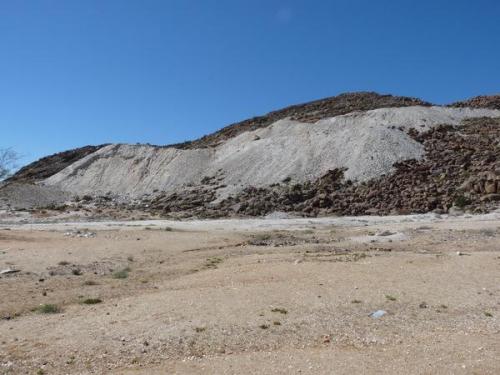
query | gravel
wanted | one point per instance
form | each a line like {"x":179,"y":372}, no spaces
{"x":23,"y":196}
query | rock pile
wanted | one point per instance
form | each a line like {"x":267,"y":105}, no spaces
{"x":461,"y":169}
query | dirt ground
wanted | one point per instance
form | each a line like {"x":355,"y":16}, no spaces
{"x":252,"y":297}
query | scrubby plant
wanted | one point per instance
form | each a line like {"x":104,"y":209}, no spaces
{"x":461,"y":201}
{"x":121,"y":274}
{"x":91,"y":301}
{"x":48,"y":308}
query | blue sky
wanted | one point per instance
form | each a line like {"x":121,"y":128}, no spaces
{"x":88,"y":72}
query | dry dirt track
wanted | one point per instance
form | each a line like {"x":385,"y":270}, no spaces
{"x":254,"y":298}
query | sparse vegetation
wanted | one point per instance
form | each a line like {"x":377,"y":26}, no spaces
{"x":264,"y":326}
{"x":260,"y":237}
{"x":356,"y":301}
{"x":76,"y":271}
{"x":8,"y":160}
{"x":213,"y":262}
{"x":71,"y":360}
{"x":279,"y":310}
{"x":488,"y":314}
{"x":121,"y":274}
{"x":276,"y":323}
{"x":90,"y":282}
{"x":63,"y":263}
{"x":200,"y":329}
{"x":91,"y":301}
{"x":390,"y":298}
{"x":461,"y":201}
{"x":47,"y":308}
{"x":55,"y":207}
{"x":487,"y":232}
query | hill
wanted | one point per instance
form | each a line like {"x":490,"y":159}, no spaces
{"x":359,"y":153}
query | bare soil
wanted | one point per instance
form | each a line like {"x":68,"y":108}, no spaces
{"x":252,"y":297}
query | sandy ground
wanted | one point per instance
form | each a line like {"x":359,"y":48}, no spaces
{"x":275,"y":296}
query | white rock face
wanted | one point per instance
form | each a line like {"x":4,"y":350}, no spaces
{"x":366,"y":143}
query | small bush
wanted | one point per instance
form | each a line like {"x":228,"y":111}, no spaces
{"x":279,"y":310}
{"x":461,"y":201}
{"x":48,"y":308}
{"x":213,"y":262}
{"x":121,"y":274}
{"x":390,"y":298}
{"x":76,"y":272}
{"x":92,"y":301}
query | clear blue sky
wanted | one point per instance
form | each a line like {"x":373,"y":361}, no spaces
{"x":162,"y":71}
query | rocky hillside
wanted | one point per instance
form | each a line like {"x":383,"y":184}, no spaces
{"x":308,"y":112}
{"x":366,"y":144}
{"x":461,"y":170}
{"x":491,"y":102}
{"x":353,"y":154}
{"x":52,"y":164}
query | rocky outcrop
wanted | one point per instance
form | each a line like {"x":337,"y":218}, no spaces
{"x":484,"y":101}
{"x":308,"y":112}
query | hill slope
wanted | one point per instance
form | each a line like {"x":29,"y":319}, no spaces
{"x":307,"y":112}
{"x":50,"y":165}
{"x":407,"y":156}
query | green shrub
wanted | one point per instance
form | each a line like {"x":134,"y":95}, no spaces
{"x":121,"y":274}
{"x":461,"y":201}
{"x":48,"y":308}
